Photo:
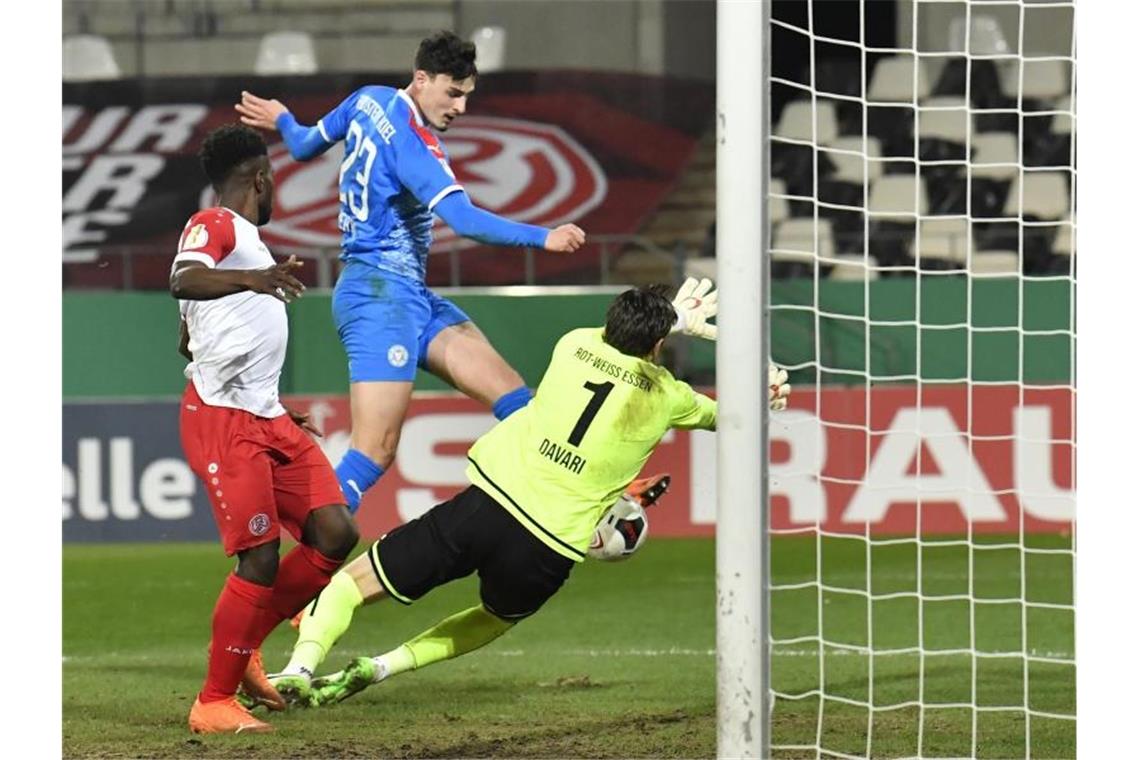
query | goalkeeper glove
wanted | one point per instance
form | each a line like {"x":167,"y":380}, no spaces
{"x":695,"y":304}
{"x":778,"y":388}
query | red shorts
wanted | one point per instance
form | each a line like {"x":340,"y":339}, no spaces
{"x":261,"y":474}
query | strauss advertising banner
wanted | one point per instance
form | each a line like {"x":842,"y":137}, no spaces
{"x":600,"y":150}
{"x":894,"y":461}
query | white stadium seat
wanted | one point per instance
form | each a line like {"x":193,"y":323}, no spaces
{"x":1063,"y":242}
{"x":1046,"y":195}
{"x":1041,"y":79}
{"x":88,"y":57}
{"x":490,"y":48}
{"x":943,"y":118}
{"x":995,"y":155}
{"x":986,"y":36}
{"x":942,"y":239}
{"x":286,"y":53}
{"x":852,"y":266}
{"x":995,"y":263}
{"x":894,"y":80}
{"x":777,"y":205}
{"x":795,"y":121}
{"x":898,"y":196}
{"x":1062,"y":122}
{"x":802,"y":240}
{"x":849,"y":167}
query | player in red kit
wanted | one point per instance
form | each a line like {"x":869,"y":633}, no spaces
{"x":261,"y":470}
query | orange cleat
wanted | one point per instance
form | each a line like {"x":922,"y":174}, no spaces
{"x":225,"y":716}
{"x":257,"y":687}
{"x":646,"y":491}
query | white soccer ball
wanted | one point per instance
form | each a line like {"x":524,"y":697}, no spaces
{"x":621,"y":532}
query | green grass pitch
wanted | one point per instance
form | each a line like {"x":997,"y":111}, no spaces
{"x":619,"y":664}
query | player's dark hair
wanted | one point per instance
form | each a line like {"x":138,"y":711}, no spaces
{"x":638,"y":318}
{"x":447,"y":53}
{"x":228,"y":147}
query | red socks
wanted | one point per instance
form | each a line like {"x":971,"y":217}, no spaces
{"x":302,"y":574}
{"x":237,"y":615}
{"x":246,"y":613}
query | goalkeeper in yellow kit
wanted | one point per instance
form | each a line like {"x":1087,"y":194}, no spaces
{"x":540,"y":481}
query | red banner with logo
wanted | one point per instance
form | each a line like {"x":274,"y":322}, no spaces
{"x":597,"y":149}
{"x":898,"y":460}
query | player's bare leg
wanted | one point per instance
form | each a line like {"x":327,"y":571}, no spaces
{"x":378,"y":409}
{"x":461,"y":356}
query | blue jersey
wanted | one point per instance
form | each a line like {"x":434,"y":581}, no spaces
{"x":394,"y":174}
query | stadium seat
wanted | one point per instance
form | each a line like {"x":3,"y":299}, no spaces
{"x":795,"y":121}
{"x":941,"y":243}
{"x":286,"y":53}
{"x":89,"y":57}
{"x":1046,"y":196}
{"x":894,"y":80}
{"x":994,"y":155}
{"x":994,"y":263}
{"x":942,"y":129}
{"x":777,"y":205}
{"x":490,"y":48}
{"x":800,"y":239}
{"x":849,"y":167}
{"x":985,"y":33}
{"x":1062,"y":122}
{"x":1036,"y":80}
{"x":850,"y":267}
{"x":898,"y":197}
{"x":1048,"y":138}
{"x":1064,"y":240}
{"x":795,"y":245}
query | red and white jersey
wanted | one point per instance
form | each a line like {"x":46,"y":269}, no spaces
{"x":238,"y":341}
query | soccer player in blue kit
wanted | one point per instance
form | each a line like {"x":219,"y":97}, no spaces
{"x":394,"y":177}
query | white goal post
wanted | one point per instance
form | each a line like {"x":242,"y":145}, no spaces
{"x":895,"y":225}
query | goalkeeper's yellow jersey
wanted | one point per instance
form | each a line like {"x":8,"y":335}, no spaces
{"x":559,"y":462}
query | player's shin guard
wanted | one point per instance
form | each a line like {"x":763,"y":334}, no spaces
{"x":323,"y":622}
{"x":237,"y":622}
{"x":459,"y":634}
{"x":511,"y":402}
{"x":356,"y":473}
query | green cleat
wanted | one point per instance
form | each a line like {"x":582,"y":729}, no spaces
{"x":337,"y":687}
{"x":296,"y":690}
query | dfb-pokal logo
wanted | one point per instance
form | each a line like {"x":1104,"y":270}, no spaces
{"x":524,"y":170}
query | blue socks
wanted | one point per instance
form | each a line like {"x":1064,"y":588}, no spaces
{"x":511,"y":402}
{"x":356,"y":473}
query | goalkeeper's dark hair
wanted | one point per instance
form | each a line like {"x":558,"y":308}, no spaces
{"x":638,"y":318}
{"x":226,"y":148}
{"x":447,"y":53}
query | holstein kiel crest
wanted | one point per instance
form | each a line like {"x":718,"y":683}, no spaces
{"x":529,"y":172}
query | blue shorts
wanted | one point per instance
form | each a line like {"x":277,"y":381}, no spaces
{"x":386,"y":321}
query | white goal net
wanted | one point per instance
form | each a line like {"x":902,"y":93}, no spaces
{"x":923,"y":267}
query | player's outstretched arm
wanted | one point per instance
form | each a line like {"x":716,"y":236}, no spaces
{"x":470,"y":221}
{"x":696,"y":304}
{"x":303,"y":142}
{"x":193,"y":281}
